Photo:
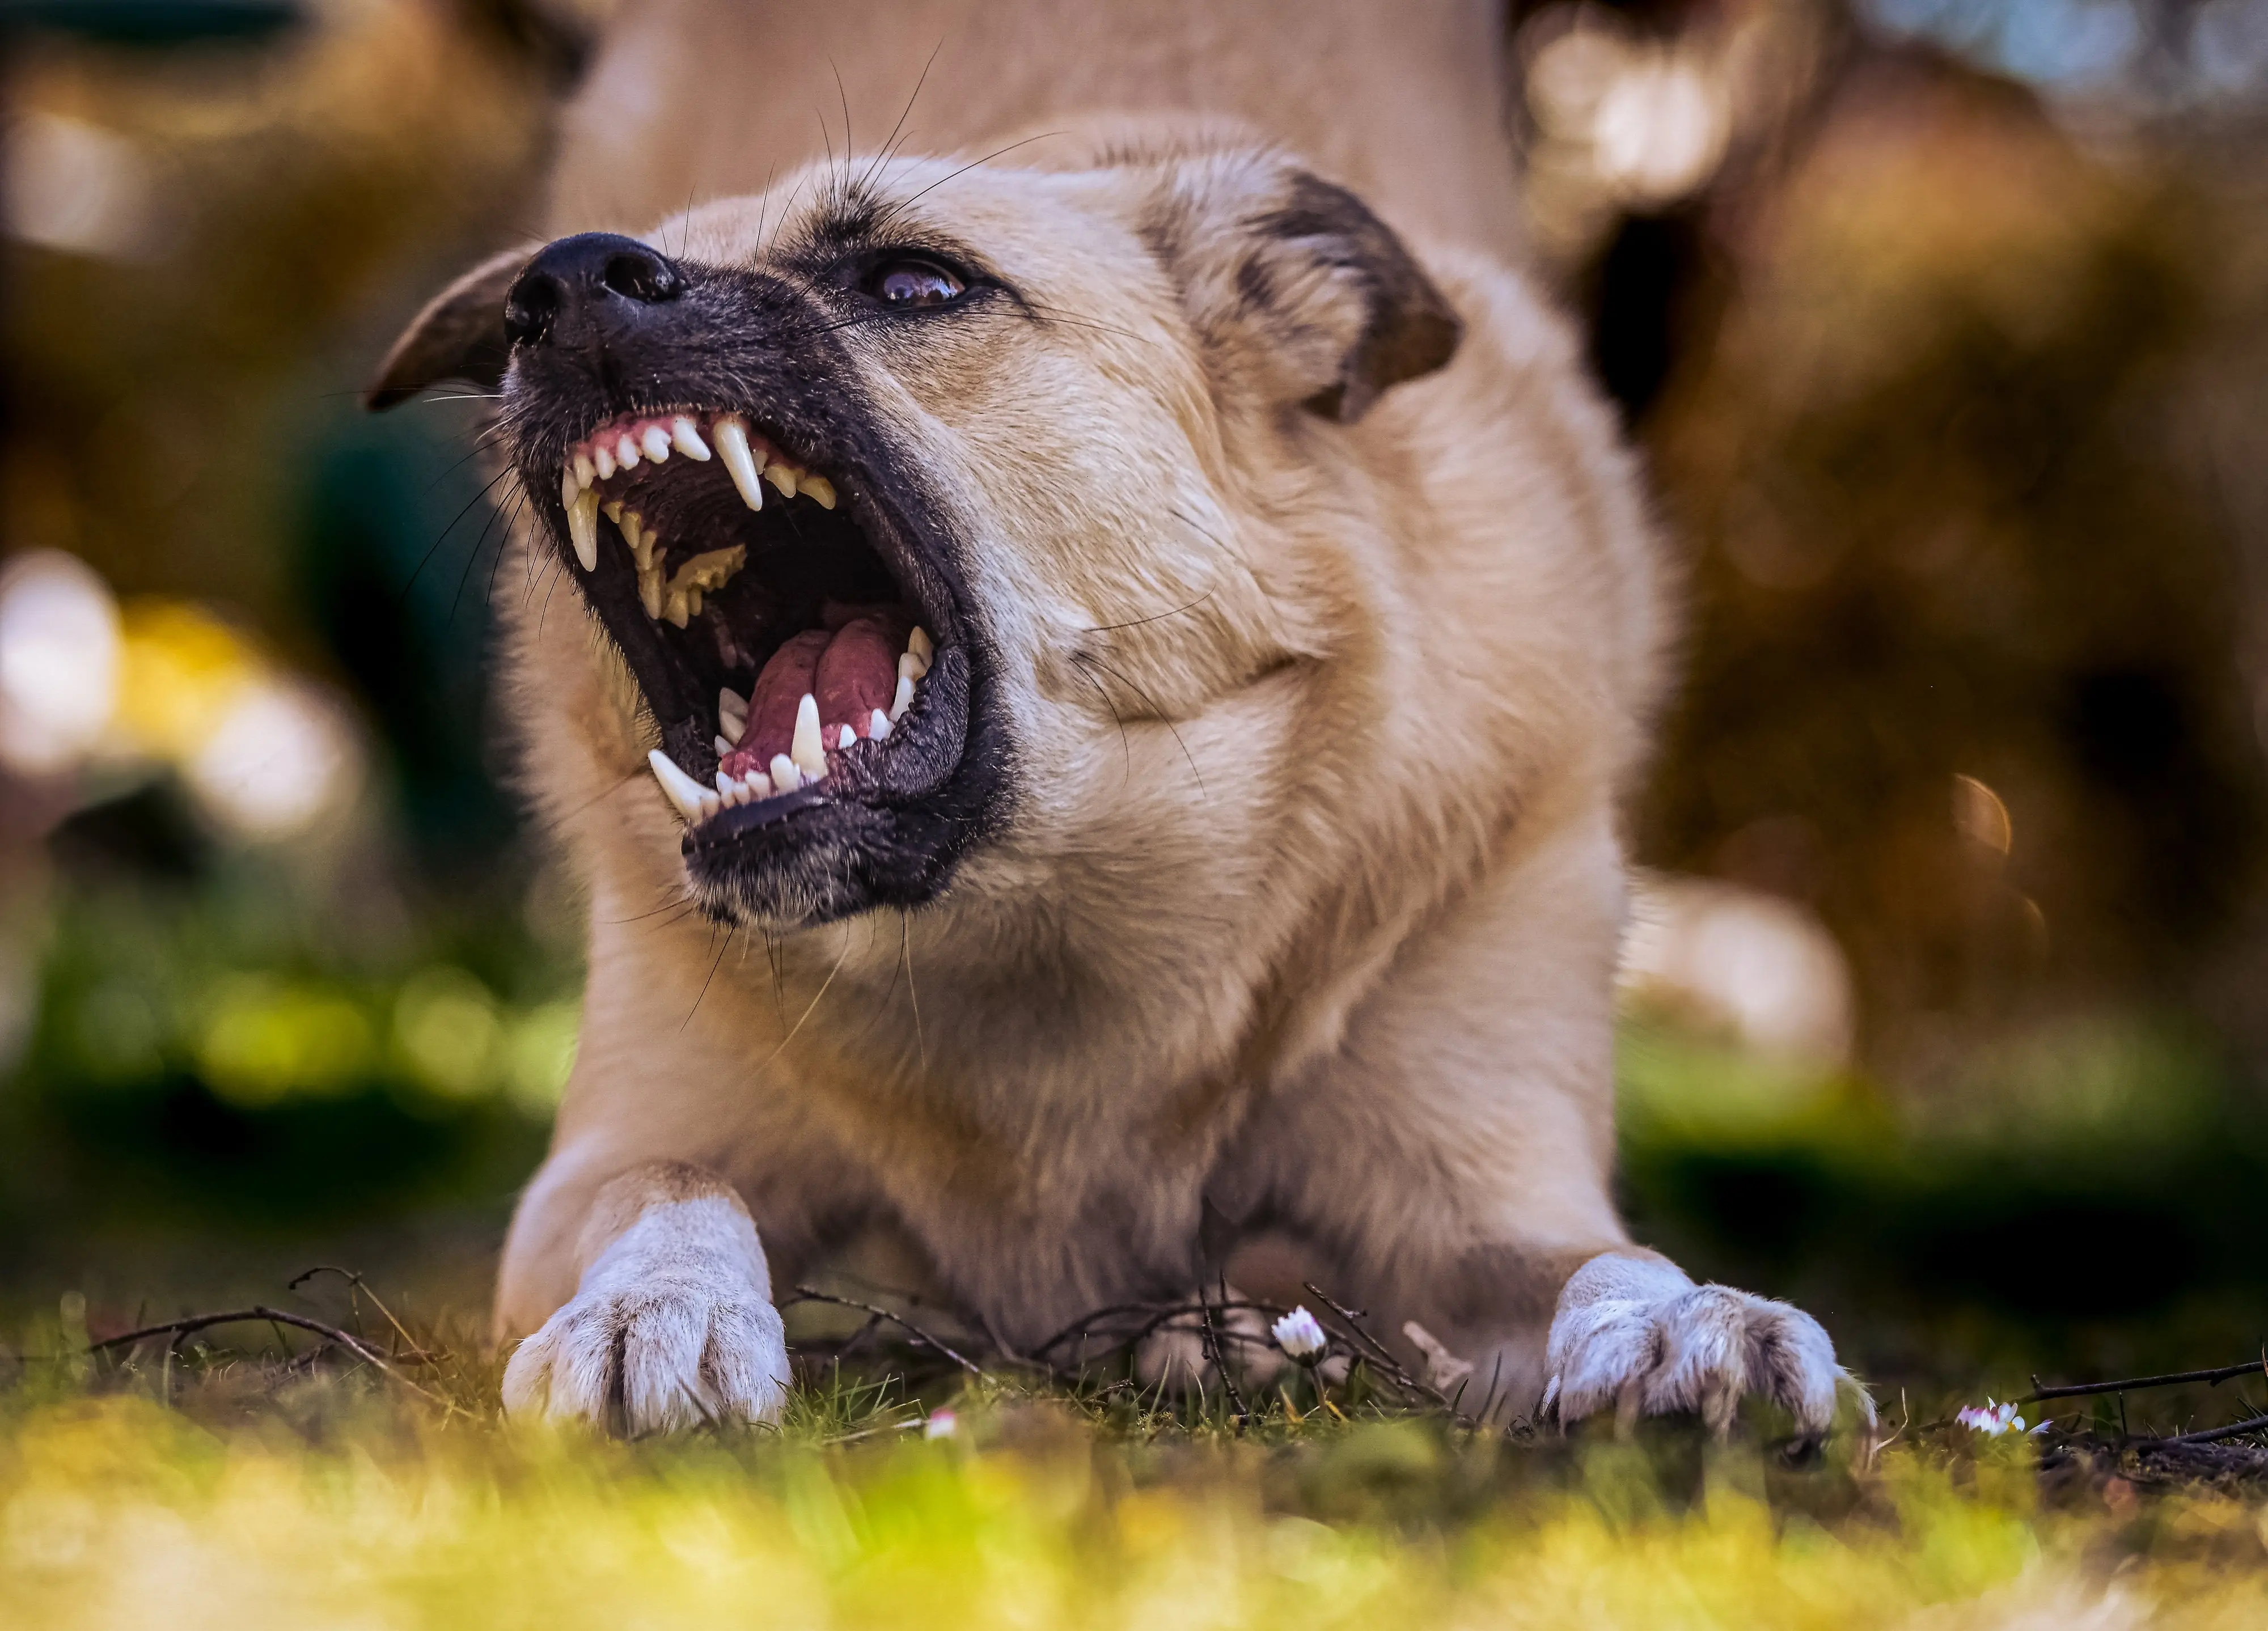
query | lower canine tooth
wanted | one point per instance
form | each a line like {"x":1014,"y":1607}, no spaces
{"x":655,"y":442}
{"x":786,"y":776}
{"x":732,"y":442}
{"x":583,"y":528}
{"x":686,"y":793}
{"x":904,"y":700}
{"x":808,"y":750}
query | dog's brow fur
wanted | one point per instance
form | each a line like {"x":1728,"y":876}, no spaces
{"x":1314,"y":627}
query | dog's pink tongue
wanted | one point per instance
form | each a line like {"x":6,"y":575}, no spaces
{"x":853,"y":671}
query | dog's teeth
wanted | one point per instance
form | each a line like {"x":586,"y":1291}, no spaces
{"x":648,"y":580}
{"x":655,"y":442}
{"x":879,"y":726}
{"x":785,"y":777}
{"x":732,"y":712}
{"x":732,"y":442}
{"x":570,"y":490}
{"x":904,"y":700}
{"x":586,"y":471}
{"x":679,"y":608}
{"x":626,"y":452}
{"x":808,"y":750}
{"x":759,"y":784}
{"x":686,"y":793}
{"x":783,"y":477}
{"x":729,"y":789}
{"x":605,"y":461}
{"x":583,"y":528}
{"x":722,"y":746}
{"x":685,"y":436}
{"x":710,"y":803}
{"x":613,"y":511}
{"x":844,"y":737}
{"x":820,"y":490}
{"x":633,"y":530}
{"x":917,"y":642}
{"x":911,"y":667}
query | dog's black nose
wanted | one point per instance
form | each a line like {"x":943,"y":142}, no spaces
{"x":590,"y":286}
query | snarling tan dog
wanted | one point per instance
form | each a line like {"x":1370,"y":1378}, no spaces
{"x":1093,"y":730}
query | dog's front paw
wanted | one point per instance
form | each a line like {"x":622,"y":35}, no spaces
{"x":672,"y":1327}
{"x":1636,"y":1334}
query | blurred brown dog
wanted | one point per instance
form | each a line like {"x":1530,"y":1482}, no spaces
{"x":1136,"y":658}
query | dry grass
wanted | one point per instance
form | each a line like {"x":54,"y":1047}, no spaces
{"x":212,"y":1489}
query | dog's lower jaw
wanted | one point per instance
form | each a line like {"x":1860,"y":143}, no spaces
{"x":1634,"y":1333}
{"x":672,"y":1326}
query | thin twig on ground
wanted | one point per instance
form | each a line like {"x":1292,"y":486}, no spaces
{"x":257,"y":1314}
{"x":2235,"y":1429}
{"x":1220,"y":1359}
{"x":2077,"y":1389}
{"x":1378,"y":1355}
{"x":805,"y":1294}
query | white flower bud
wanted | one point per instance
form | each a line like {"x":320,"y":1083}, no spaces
{"x":1298,"y":1335}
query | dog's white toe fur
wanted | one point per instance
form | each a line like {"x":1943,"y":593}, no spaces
{"x":673,"y":1320}
{"x":1636,"y":1334}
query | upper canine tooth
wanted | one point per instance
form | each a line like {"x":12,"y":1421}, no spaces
{"x":685,"y":436}
{"x":626,"y":452}
{"x":724,"y":745}
{"x":808,"y":750}
{"x":820,"y":490}
{"x":783,"y":477}
{"x":732,"y":442}
{"x":732,"y":712}
{"x":917,"y":642}
{"x":583,"y":528}
{"x":569,"y":487}
{"x":904,"y":698}
{"x":606,"y":458}
{"x":655,"y":440}
{"x":586,"y":471}
{"x":686,"y":793}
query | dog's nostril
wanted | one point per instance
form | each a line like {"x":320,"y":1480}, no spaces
{"x":641,"y":275}
{"x":530,"y":307}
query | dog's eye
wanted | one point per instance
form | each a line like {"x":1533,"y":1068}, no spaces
{"x":909,"y":284}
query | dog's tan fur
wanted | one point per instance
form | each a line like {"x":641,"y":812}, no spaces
{"x":1308,"y":907}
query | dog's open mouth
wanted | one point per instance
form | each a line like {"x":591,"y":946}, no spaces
{"x":783,"y":647}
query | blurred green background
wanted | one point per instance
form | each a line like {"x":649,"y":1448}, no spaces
{"x":1944,"y":326}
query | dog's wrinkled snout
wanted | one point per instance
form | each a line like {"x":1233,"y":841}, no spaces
{"x":591,"y":287}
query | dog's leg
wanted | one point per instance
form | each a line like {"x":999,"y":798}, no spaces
{"x":671,"y":1324}
{"x":1455,"y":1155}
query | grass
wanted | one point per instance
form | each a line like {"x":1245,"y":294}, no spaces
{"x":218,"y":1489}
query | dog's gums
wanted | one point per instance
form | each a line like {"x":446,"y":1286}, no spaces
{"x":848,"y":677}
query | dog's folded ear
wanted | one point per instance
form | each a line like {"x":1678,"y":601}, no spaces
{"x":458,"y":335}
{"x":1296,"y":288}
